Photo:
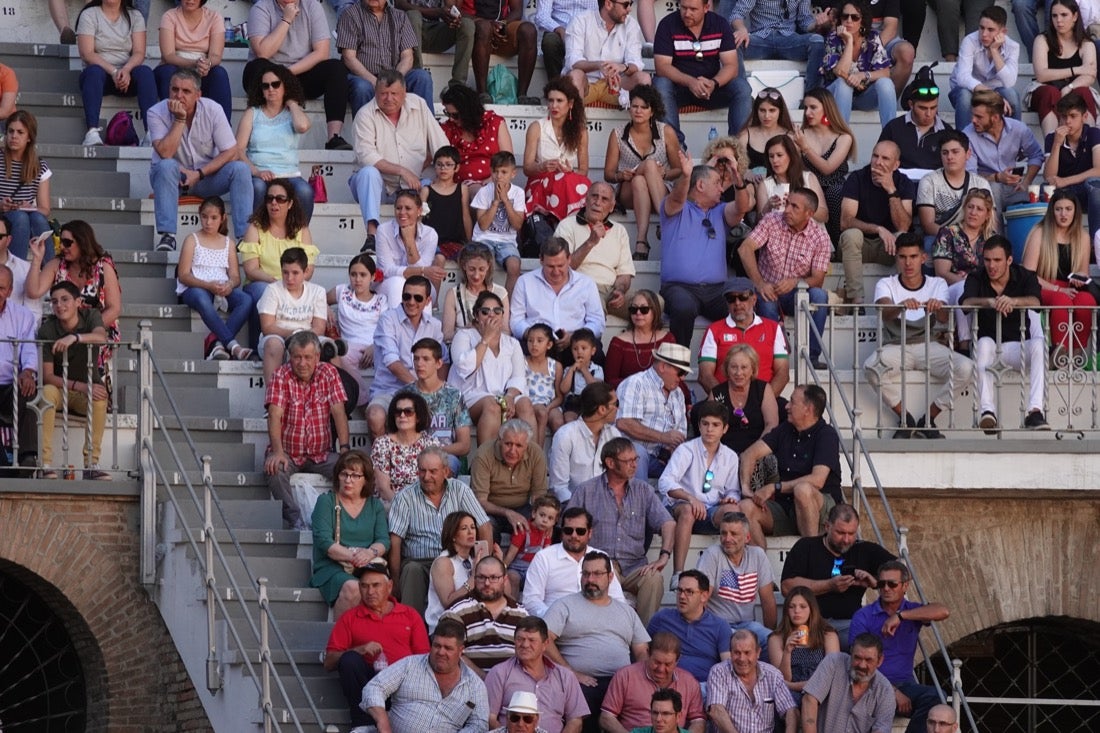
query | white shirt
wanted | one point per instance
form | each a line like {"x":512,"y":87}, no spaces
{"x":575,"y":456}
{"x":393,"y":258}
{"x":19,"y":270}
{"x":687,"y":469}
{"x":554,"y":574}
{"x":587,"y":39}
{"x":577,"y":305}
{"x":975,"y":65}
{"x":497,"y":372}
{"x":500,"y":229}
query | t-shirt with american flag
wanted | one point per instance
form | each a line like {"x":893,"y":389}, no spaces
{"x":736,"y":587}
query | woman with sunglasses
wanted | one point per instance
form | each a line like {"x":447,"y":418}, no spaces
{"x":632,"y":351}
{"x":84,"y":263}
{"x":489,"y":368}
{"x":274,"y":227}
{"x":770,"y":117}
{"x":802,"y":639}
{"x":643,"y":158}
{"x":476,"y":132}
{"x":1064,"y":59}
{"x":826,"y":144}
{"x":192,"y":36}
{"x":407,"y":247}
{"x":452,"y":574}
{"x":856,"y":68}
{"x":751,"y":403}
{"x":394,"y":452}
{"x":555,"y":157}
{"x":784,"y":170}
{"x":269,"y":133}
{"x":349,"y":530}
{"x":24,"y":184}
{"x":957,"y":251}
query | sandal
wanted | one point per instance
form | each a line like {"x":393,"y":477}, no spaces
{"x":639,"y":255}
{"x":242,"y":353}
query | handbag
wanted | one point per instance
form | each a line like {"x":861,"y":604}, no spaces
{"x":317,"y":183}
{"x":347,"y":566}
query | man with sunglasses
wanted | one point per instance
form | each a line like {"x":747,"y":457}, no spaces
{"x":744,"y":326}
{"x":603,"y":53}
{"x":575,"y":450}
{"x":556,"y":570}
{"x":600,"y":248}
{"x":781,"y":29}
{"x":898,"y":623}
{"x":988,"y":59}
{"x":523,"y":715}
{"x":194,"y":152}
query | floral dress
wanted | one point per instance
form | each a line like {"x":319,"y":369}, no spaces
{"x":540,"y":387}
{"x":953,"y":244}
{"x":91,"y":296}
{"x":872,"y":55}
{"x":399,"y":461}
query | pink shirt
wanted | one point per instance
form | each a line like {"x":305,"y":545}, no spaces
{"x":192,"y":40}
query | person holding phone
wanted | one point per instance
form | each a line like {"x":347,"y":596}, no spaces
{"x":999,"y":146}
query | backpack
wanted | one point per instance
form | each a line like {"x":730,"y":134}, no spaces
{"x":121,"y":130}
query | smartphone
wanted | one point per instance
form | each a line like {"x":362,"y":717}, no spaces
{"x":481,"y":548}
{"x":1020,"y":169}
{"x":847,"y":569}
{"x":1078,"y":277}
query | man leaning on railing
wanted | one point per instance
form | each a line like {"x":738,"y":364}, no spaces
{"x":18,"y":370}
{"x":70,"y":376}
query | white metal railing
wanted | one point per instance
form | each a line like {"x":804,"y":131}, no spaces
{"x":157,"y":487}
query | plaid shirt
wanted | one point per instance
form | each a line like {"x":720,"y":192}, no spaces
{"x":377,"y":43}
{"x":622,"y":532}
{"x":307,"y":407}
{"x":782,"y":252}
{"x":416,"y":702}
{"x":643,"y":398}
{"x":757,"y":714}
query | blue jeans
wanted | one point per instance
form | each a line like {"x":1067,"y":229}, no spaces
{"x":924,"y":698}
{"x":649,"y":466}
{"x":736,"y":96}
{"x":202,"y":302}
{"x":23,"y":225}
{"x":94,"y":83}
{"x":1025,"y":12}
{"x":367,"y":189}
{"x":880,"y":95}
{"x":684,"y":302}
{"x":255,"y":291}
{"x":1088,"y":197}
{"x":808,"y":47}
{"x":301,"y":187}
{"x":215,"y":86}
{"x":786,"y":305}
{"x":232,"y":178}
{"x":960,"y":99}
{"x":417,"y":81}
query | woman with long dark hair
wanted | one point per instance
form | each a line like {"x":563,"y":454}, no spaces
{"x":784,"y":171}
{"x":555,"y":157}
{"x":477,"y":134}
{"x":769,"y":117}
{"x":1063,"y":58}
{"x":856,"y":68}
{"x":802,"y":639}
{"x":24,"y":184}
{"x":827,"y":145}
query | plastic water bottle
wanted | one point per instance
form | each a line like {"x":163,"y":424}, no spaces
{"x":713,"y":134}
{"x":229,"y":34}
{"x":380,"y":662}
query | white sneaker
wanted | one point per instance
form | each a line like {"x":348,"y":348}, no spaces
{"x":92,"y":138}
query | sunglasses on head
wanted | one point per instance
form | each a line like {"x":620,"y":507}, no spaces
{"x":265,"y":85}
{"x":927,"y":91}
{"x":769,"y":93}
{"x":739,"y":297}
{"x":643,"y":309}
{"x":494,"y":311}
{"x":525,"y":717}
{"x":276,"y":198}
{"x":406,"y":297}
{"x":579,"y":531}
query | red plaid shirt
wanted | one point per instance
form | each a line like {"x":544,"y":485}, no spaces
{"x":306,"y":410}
{"x":782,"y":252}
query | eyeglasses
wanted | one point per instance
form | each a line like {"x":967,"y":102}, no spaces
{"x":445,"y":164}
{"x":769,"y":93}
{"x":494,"y":311}
{"x":277,"y":199}
{"x":4,"y":234}
{"x":350,"y":476}
{"x":697,"y":47}
{"x":738,"y":412}
{"x":927,"y":91}
{"x":708,"y":481}
{"x":891,"y":584}
{"x":627,"y":4}
{"x":689,"y":592}
{"x":593,"y":573}
{"x":851,"y":16}
{"x":67,"y":242}
{"x":404,"y":411}
{"x":837,"y":562}
{"x":406,"y":297}
{"x":451,"y":115}
{"x":487,"y":578}
{"x":709,"y":227}
{"x":579,"y":531}
{"x":739,"y":297}
{"x":636,"y":309}
{"x":265,"y":85}
{"x":525,"y":717}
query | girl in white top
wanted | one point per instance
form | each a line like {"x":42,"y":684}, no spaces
{"x":475,"y":267}
{"x":406,"y":247}
{"x":785,"y":171}
{"x":356,"y":315}
{"x":208,"y":275}
{"x":489,"y":368}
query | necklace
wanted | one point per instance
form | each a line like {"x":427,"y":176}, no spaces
{"x":638,"y":354}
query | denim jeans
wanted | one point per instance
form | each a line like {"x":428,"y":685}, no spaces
{"x":202,"y":302}
{"x":368,"y":190}
{"x":684,"y":302}
{"x":881,"y":95}
{"x":1025,"y":12}
{"x":233,"y":178}
{"x":255,"y":291}
{"x":417,"y":81}
{"x":786,"y":304}
{"x":923,"y":698}
{"x":808,"y":47}
{"x":302,"y":190}
{"x":736,"y":96}
{"x":960,"y":100}
{"x":24,"y":225}
{"x":215,"y":86}
{"x":94,"y":83}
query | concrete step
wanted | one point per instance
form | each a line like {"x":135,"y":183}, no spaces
{"x":226,"y":457}
{"x":238,"y":513}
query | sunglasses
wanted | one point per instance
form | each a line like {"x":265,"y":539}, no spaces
{"x":265,"y":85}
{"x":889,"y":584}
{"x":406,"y":297}
{"x":927,"y":91}
{"x":769,"y":94}
{"x":627,"y":4}
{"x":451,"y":115}
{"x":708,"y":483}
{"x":525,"y":717}
{"x":851,"y":16}
{"x":613,"y":403}
{"x":635,"y":309}
{"x":278,"y":199}
{"x":697,"y":47}
{"x":579,"y":531}
{"x":739,"y":413}
{"x":739,"y":297}
{"x":404,"y":411}
{"x":494,"y":311}
{"x":67,"y":241}
{"x":709,"y":227}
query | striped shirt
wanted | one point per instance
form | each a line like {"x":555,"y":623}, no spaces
{"x":416,"y":705}
{"x":419,"y":523}
{"x":489,"y":640}
{"x":378,"y":42}
{"x":12,"y":186}
{"x":755,"y":713}
{"x":694,"y":55}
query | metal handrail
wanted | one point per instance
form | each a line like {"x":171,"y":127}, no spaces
{"x":804,"y":330}
{"x":209,"y":553}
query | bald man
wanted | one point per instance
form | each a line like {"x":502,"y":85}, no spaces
{"x":942,"y":719}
